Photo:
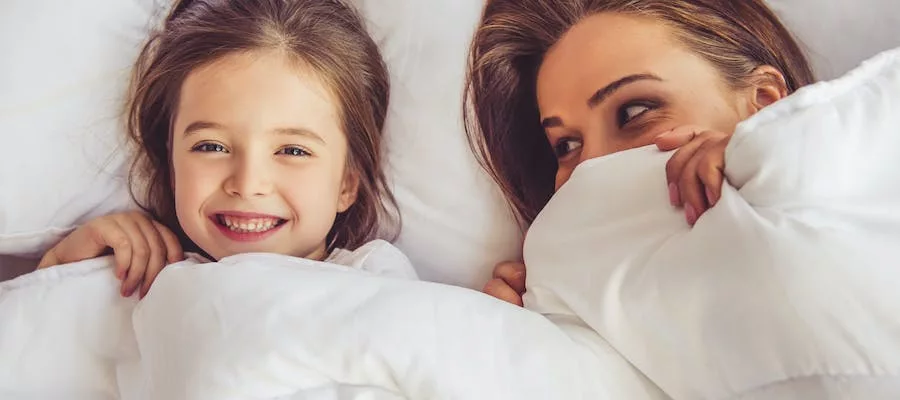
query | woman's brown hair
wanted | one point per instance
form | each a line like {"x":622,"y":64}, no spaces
{"x":503,"y":121}
{"x":327,"y":36}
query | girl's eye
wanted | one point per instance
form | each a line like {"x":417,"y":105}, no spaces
{"x":629,"y":112}
{"x":566,"y":146}
{"x":209,"y":147}
{"x":294,"y":151}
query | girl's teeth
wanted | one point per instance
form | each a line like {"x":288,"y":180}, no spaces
{"x":246,"y":226}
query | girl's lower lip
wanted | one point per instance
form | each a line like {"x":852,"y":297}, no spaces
{"x":244,"y":236}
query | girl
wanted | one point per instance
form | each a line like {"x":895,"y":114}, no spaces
{"x":554,"y":83}
{"x":258,"y":125}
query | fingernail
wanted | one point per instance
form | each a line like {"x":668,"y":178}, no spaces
{"x":665,"y":133}
{"x":690,"y":214}
{"x":710,"y":198}
{"x":674,"y":195}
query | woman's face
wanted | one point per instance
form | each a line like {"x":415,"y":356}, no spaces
{"x":614,"y":82}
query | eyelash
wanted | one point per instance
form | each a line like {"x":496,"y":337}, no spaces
{"x":622,"y":118}
{"x":560,"y":148}
{"x":208,"y":147}
{"x":295,"y":151}
{"x":205,"y":148}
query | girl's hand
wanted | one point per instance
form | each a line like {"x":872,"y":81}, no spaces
{"x":508,"y":283}
{"x":141,"y":247}
{"x":696,"y":171}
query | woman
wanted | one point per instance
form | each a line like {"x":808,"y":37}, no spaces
{"x":553,"y":83}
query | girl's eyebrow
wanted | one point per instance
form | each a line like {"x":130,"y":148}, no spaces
{"x":299,"y":132}
{"x":196,"y":126}
{"x":193,"y":127}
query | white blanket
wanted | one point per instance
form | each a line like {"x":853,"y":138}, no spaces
{"x":259,"y":326}
{"x":788,"y":288}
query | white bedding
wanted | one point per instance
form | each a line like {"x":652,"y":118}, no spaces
{"x":788,"y":288}
{"x":259,"y":326}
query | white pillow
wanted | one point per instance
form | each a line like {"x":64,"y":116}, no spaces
{"x":456,"y":226}
{"x":786,"y":289}
{"x":65,"y":72}
{"x":838,"y":34}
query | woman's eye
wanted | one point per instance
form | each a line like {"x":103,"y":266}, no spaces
{"x":294,"y":151}
{"x":566,"y":146}
{"x":629,"y":112}
{"x":209,"y":147}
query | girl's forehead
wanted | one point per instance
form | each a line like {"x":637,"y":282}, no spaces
{"x":258,"y":92}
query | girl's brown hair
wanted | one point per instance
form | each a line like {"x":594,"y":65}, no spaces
{"x":327,"y":36}
{"x":735,"y":36}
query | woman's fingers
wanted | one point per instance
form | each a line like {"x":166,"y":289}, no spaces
{"x":675,"y":170}
{"x":711,"y":171}
{"x":676,"y":138}
{"x":500,"y":289}
{"x":692,"y":190}
{"x":513,"y":273}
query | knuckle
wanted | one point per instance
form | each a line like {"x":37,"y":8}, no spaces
{"x":494,"y":286}
{"x":120,"y":241}
{"x":141,"y":251}
{"x":135,"y":214}
{"x":671,"y":169}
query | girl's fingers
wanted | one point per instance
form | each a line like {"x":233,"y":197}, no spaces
{"x":140,"y":255}
{"x":174,"y":252}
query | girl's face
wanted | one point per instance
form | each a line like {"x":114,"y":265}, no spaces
{"x":258,"y":158}
{"x":614,"y":82}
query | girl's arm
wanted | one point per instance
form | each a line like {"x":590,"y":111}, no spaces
{"x":141,"y":247}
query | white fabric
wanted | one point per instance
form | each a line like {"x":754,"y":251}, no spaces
{"x":839,"y":34}
{"x":66,"y":66}
{"x":456,"y":225}
{"x":787,"y":288}
{"x":263,"y":326}
{"x":378,"y":257}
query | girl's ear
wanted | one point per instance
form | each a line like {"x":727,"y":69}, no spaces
{"x":349,"y":191}
{"x":767,"y":86}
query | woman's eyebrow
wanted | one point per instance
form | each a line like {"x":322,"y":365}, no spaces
{"x":608,"y":90}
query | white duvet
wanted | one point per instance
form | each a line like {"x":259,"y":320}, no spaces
{"x":788,"y":289}
{"x":259,"y":326}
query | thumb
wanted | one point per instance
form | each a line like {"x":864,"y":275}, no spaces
{"x":82,"y":244}
{"x":49,"y":259}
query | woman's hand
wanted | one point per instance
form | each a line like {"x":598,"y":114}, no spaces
{"x":508,"y":283}
{"x":696,"y":171}
{"x":141,"y":247}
